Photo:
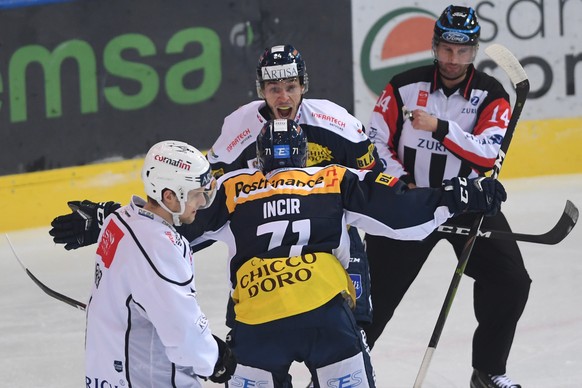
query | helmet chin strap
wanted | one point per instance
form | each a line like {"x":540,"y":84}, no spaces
{"x":175,"y":216}
{"x":176,"y":219}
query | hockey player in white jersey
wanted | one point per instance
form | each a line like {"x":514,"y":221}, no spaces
{"x":144,"y":325}
{"x":333,"y":134}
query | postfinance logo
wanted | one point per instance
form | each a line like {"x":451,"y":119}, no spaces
{"x":398,"y":41}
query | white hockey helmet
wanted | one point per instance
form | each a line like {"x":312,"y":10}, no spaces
{"x":179,"y":167}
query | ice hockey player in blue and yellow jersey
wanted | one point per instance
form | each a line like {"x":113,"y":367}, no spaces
{"x":286,"y":230}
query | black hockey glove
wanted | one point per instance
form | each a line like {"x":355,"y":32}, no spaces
{"x":226,"y":364}
{"x":474,"y":195}
{"x":82,"y":226}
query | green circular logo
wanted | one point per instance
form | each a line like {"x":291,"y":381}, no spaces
{"x":398,"y":41}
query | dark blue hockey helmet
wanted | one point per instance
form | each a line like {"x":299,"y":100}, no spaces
{"x":457,"y":25}
{"x":281,"y":143}
{"x":279,"y":63}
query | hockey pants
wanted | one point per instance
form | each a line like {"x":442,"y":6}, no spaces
{"x":326,"y":339}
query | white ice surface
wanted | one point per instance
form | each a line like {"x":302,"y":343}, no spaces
{"x":41,"y":339}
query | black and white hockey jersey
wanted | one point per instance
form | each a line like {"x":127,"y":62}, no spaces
{"x":472,"y":123}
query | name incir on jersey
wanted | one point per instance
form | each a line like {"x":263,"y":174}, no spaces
{"x":280,"y":207}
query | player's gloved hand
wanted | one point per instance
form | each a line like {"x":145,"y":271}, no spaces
{"x":474,"y":195}
{"x":81,"y":227}
{"x":225,"y":365}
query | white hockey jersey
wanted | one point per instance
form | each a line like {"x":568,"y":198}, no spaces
{"x":144,"y":325}
{"x":334,"y":137}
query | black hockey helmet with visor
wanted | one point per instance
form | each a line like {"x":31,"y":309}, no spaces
{"x":457,"y":25}
{"x":281,"y":143}
{"x":279,"y":63}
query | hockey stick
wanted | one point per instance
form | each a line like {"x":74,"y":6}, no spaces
{"x":562,"y":228}
{"x":507,"y":61}
{"x":46,"y":289}
{"x":555,"y":235}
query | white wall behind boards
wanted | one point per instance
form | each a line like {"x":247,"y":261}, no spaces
{"x":545,"y":35}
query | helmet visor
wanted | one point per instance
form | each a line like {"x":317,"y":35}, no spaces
{"x":204,"y":195}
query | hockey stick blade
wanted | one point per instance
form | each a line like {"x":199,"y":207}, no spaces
{"x":518,"y":77}
{"x":555,"y":235}
{"x":507,"y":61}
{"x":50,"y":292}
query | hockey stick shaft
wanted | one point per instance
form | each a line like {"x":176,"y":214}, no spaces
{"x":45,"y":288}
{"x":555,"y":235}
{"x":507,"y":61}
{"x":562,"y":228}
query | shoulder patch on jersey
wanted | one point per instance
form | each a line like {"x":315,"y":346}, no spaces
{"x":170,"y":236}
{"x":238,"y":138}
{"x":211,"y":154}
{"x":328,"y":115}
{"x":110,"y":239}
{"x":367,"y":160}
{"x":386,"y":179}
{"x":330,"y":119}
{"x":202,"y":322}
{"x":422,"y":98}
{"x":174,"y":237}
{"x":145,"y":213}
{"x":217,"y":173}
{"x":317,"y":154}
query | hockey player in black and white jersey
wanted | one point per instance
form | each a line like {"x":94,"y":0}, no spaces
{"x":333,"y":135}
{"x":144,"y":325}
{"x":285,"y":227}
{"x":433,"y":123}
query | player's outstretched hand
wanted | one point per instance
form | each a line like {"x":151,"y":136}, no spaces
{"x":225,"y":365}
{"x":474,"y":195}
{"x":81,"y":227}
